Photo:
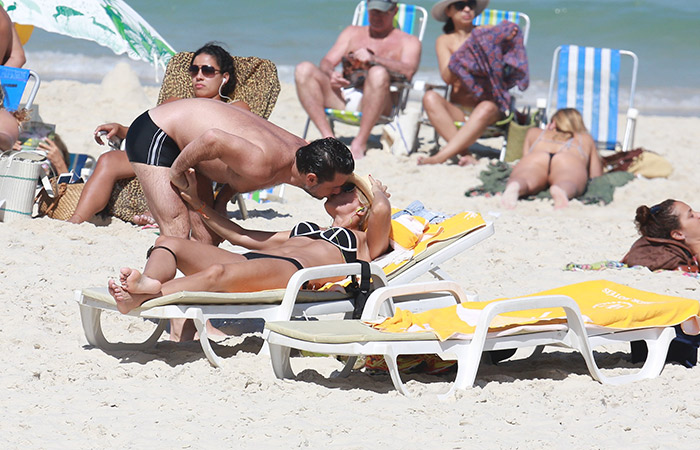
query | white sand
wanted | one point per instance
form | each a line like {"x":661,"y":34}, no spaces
{"x":59,"y":394}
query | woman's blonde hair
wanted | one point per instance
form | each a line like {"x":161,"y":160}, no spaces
{"x":569,"y":120}
{"x":364,"y":201}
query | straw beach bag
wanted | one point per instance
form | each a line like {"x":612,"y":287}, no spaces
{"x":63,"y":204}
{"x":19,"y":175}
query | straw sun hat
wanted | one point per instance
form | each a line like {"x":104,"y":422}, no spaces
{"x":363,"y":184}
{"x":438,"y":10}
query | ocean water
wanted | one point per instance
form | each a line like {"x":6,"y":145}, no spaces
{"x":664,"y":35}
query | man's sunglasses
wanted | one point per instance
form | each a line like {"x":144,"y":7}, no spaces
{"x":460,"y":5}
{"x":207,"y":71}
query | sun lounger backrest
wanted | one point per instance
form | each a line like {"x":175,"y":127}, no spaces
{"x":257,"y":82}
{"x":410,"y":19}
{"x":588,"y":79}
{"x":496,"y":16}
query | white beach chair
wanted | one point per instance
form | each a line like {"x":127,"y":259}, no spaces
{"x":278,"y":304}
{"x":356,"y":338}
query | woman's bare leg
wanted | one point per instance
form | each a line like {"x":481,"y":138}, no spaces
{"x":110,"y":167}
{"x":484,"y":114}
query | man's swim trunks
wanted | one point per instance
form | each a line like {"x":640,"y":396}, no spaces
{"x":148,"y":144}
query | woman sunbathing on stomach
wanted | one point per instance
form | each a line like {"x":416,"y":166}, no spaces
{"x":562,"y":157}
{"x":360,"y":230}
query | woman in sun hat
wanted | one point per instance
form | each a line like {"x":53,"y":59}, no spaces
{"x":458,"y":17}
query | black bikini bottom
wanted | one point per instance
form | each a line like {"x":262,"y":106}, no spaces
{"x":253,"y":255}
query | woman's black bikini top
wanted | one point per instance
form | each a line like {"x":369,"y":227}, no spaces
{"x":341,"y":237}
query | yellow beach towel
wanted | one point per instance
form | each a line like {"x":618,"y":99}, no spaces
{"x":602,"y":303}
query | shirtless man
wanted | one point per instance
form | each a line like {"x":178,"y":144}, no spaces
{"x":563,"y":156}
{"x":225,"y":144}
{"x":380,"y":44}
{"x":11,"y":51}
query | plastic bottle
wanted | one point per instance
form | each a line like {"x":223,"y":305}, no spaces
{"x":540,"y":117}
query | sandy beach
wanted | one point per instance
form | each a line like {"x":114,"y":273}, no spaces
{"x":60,"y":393}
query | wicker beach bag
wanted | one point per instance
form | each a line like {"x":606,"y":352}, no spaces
{"x":63,"y":204}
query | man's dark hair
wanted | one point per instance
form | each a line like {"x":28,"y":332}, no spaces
{"x":325,"y":157}
{"x":225,"y":62}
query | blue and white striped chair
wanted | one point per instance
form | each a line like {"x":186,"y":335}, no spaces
{"x":410,"y":19}
{"x":588,"y":79}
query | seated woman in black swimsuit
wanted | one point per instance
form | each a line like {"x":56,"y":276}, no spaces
{"x":562,"y":157}
{"x":361,"y":225}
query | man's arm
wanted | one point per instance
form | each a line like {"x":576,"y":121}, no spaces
{"x":339,"y":49}
{"x":231,"y":231}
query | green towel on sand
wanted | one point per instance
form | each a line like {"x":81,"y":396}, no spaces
{"x":599,"y":189}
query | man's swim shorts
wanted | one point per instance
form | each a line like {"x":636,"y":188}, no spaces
{"x":148,"y":144}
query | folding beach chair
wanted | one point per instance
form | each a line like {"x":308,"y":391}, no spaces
{"x":81,"y":164}
{"x":500,"y":128}
{"x":588,"y":79}
{"x":591,"y":314}
{"x":410,"y":19}
{"x":277,"y":304}
{"x":14,"y":81}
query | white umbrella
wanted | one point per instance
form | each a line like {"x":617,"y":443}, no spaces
{"x":110,"y":23}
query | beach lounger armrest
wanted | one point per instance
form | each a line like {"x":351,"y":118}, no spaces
{"x":312,"y":273}
{"x":381,"y":295}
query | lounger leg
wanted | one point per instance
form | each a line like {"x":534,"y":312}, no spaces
{"x":395,"y":374}
{"x":281,"y":365}
{"x":90,"y":318}
{"x":200,"y":322}
{"x":656,"y":355}
{"x":468,"y":360}
{"x":345,"y":371}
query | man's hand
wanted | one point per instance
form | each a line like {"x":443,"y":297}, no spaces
{"x":364,"y":55}
{"x":179,"y":180}
{"x":111,"y":130}
{"x":337,"y":80}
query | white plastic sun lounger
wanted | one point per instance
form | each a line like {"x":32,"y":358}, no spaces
{"x":355,"y":338}
{"x":271,"y":305}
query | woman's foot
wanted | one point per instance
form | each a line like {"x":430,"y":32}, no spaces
{"x":561,"y":200}
{"x":125,"y":300}
{"x":143,"y":219}
{"x":510,"y":196}
{"x":467,"y":160}
{"x":135,"y":282}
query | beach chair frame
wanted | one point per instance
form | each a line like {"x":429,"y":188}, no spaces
{"x":500,"y":128}
{"x":588,"y":79}
{"x":353,"y":338}
{"x":411,"y":19}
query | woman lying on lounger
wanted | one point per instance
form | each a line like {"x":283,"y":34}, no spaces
{"x":563,"y":157}
{"x":670,"y":237}
{"x":360,"y":230}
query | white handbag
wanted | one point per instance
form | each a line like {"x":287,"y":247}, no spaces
{"x":19,"y":176}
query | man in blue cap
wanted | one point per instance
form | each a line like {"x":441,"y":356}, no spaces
{"x":375,"y":52}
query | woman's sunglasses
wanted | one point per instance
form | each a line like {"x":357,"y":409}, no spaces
{"x":347,"y":187}
{"x":460,"y":5}
{"x":207,"y":71}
